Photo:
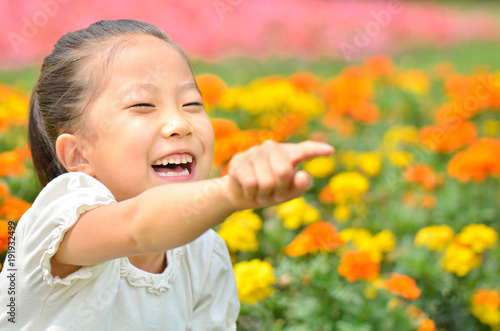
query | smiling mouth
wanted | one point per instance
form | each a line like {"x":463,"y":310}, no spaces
{"x":174,"y":165}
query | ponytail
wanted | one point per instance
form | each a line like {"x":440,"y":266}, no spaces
{"x":43,"y":153}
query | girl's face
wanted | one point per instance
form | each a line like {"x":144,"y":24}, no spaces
{"x":148,"y":126}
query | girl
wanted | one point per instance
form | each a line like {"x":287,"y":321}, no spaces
{"x":119,"y":238}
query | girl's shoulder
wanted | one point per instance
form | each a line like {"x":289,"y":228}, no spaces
{"x":72,"y":190}
{"x":73,"y":181}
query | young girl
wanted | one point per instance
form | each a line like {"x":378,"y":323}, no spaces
{"x":120,"y":237}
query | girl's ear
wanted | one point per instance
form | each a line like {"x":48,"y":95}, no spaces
{"x":71,"y":152}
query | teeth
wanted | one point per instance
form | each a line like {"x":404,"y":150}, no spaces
{"x":184,"y":172}
{"x":184,"y":160}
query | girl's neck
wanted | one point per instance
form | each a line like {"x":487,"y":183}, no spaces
{"x":154,"y":263}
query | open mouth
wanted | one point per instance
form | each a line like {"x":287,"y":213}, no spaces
{"x":174,"y":165}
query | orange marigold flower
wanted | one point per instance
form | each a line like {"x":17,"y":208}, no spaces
{"x":211,"y":88}
{"x":305,"y":81}
{"x":379,"y":66}
{"x":479,"y":160}
{"x":402,"y":285}
{"x":11,"y":163}
{"x":448,"y":138}
{"x":351,"y":93}
{"x":428,"y":201}
{"x":451,"y":114}
{"x":4,"y":190}
{"x":326,"y":195}
{"x":356,"y":265}
{"x":223,"y":127}
{"x":315,"y":237}
{"x":411,"y":199}
{"x":414,"y":312}
{"x":365,"y":112}
{"x":473,"y":94}
{"x":427,"y":325}
{"x":4,"y":236}
{"x":422,"y":174}
{"x":12,"y":208}
{"x":24,"y":152}
{"x":490,"y":299}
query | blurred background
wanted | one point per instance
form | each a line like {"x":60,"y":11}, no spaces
{"x":400,"y":231}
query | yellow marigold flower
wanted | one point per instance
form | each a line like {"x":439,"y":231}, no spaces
{"x":398,"y":135}
{"x":384,"y":241}
{"x":371,"y":290}
{"x":393,"y":303}
{"x":320,"y":167}
{"x":270,"y":95}
{"x":341,"y":213}
{"x":400,"y":159}
{"x":297,"y":212}
{"x":487,"y":315}
{"x":239,"y":231}
{"x":348,"y":186}
{"x":348,"y":159}
{"x":478,"y":237}
{"x":435,"y":237}
{"x":460,"y":259}
{"x":254,"y":280}
{"x":358,"y":236}
{"x":491,"y":127}
{"x":13,"y":106}
{"x":414,"y":81}
{"x":247,"y":218}
{"x":369,"y":163}
{"x":238,"y":237}
{"x":364,"y":241}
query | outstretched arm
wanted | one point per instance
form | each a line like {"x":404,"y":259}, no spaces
{"x":172,"y":215}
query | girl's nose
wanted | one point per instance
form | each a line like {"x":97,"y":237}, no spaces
{"x":174,"y":124}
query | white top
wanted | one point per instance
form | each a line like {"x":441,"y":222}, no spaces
{"x":197,"y":290}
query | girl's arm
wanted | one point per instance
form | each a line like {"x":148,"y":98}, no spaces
{"x":172,"y":215}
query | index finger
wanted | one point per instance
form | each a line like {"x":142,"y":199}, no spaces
{"x":306,"y":150}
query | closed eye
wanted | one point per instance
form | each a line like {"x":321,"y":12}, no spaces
{"x":195,"y":104}
{"x":140,"y":105}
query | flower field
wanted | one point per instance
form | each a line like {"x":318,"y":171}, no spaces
{"x":399,"y":231}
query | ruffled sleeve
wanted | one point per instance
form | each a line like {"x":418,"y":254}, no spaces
{"x":217,"y":306}
{"x":56,"y":210}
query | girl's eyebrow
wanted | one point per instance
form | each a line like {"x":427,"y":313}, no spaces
{"x":142,"y":86}
{"x":189,"y":86}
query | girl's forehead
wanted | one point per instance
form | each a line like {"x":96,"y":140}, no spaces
{"x":149,"y":61}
